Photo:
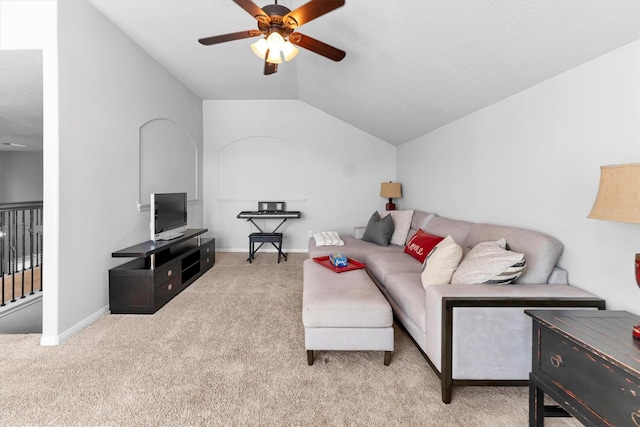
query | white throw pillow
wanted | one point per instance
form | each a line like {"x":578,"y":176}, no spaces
{"x":490,"y":263}
{"x":402,"y":224}
{"x":441,"y":262}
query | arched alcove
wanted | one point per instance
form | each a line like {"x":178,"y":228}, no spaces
{"x":280,"y":162}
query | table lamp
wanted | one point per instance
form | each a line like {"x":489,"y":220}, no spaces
{"x":392,"y":190}
{"x":618,"y":199}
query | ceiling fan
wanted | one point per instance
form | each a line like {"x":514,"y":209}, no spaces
{"x":277,"y":24}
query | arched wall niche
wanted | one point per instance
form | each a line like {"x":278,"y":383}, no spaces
{"x":281,"y":162}
{"x":168,"y":161}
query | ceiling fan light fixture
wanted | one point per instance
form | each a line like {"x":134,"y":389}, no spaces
{"x":275,"y":41}
{"x":273,"y":48}
{"x":260,"y":48}
{"x":273,"y":57}
{"x":289,"y":51}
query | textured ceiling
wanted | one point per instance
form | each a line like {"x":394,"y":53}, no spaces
{"x":411,"y":66}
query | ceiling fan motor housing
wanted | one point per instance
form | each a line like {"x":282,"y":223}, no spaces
{"x":275,"y":22}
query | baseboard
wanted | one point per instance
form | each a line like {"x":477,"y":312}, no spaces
{"x":19,"y":304}
{"x":59,"y":339}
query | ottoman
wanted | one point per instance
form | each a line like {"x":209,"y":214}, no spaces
{"x":344,"y":311}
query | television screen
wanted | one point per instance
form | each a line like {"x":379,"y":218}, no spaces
{"x":168,"y":215}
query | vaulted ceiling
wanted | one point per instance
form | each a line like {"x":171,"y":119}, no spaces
{"x":411,"y":66}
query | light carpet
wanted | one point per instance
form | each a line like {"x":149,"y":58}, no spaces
{"x":229,"y":350}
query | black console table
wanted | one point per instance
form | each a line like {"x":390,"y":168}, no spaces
{"x":588,"y":362}
{"x":159,"y":272}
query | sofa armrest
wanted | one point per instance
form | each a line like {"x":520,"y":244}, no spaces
{"x":558,"y":276}
{"x":358,"y":232}
{"x":476,"y":331}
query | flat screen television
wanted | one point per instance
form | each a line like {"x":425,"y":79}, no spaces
{"x":168,"y":215}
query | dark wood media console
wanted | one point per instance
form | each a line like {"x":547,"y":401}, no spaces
{"x":159,"y":272}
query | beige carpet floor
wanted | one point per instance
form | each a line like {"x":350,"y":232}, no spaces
{"x":229,"y":350}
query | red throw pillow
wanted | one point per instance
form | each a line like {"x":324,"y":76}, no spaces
{"x":421,"y":244}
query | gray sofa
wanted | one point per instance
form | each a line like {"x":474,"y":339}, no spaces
{"x":469,"y":334}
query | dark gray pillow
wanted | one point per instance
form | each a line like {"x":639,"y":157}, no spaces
{"x":379,"y":231}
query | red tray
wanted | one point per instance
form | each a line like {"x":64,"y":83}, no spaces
{"x":352,"y":264}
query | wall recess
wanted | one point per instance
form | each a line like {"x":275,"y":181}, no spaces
{"x":168,"y":161}
{"x":281,"y":165}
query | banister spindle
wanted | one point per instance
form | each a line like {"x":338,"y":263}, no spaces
{"x":31,"y":212}
{"x":23,"y":253}
{"x":12,"y":254}
{"x":2,"y":243}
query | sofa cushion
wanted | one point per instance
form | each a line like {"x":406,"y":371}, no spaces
{"x":540,"y":250}
{"x":406,"y":291}
{"x":379,"y":230}
{"x":490,"y":263}
{"x":381,"y":264}
{"x":441,"y":262}
{"x":419,"y":221}
{"x":401,"y":223}
{"x":455,"y":228}
{"x":421,"y":244}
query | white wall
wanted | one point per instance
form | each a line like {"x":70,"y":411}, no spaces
{"x":533,"y":160}
{"x":340,"y":177}
{"x":20,"y":176}
{"x":33,"y":25}
{"x":108,"y":88}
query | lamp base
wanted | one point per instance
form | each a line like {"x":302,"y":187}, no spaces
{"x":390,"y":206}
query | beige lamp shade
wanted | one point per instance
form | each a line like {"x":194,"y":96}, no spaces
{"x":618,"y":196}
{"x":391,"y":190}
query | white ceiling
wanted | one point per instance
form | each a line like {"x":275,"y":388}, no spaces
{"x":411,"y":66}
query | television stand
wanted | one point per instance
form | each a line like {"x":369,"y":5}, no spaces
{"x":170,"y":237}
{"x":159,"y":272}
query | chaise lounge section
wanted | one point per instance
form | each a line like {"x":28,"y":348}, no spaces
{"x":470,"y":334}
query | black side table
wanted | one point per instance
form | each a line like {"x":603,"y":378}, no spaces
{"x":588,"y":362}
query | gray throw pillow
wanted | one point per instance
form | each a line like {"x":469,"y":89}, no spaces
{"x":379,"y":230}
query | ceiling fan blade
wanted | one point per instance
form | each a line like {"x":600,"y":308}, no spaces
{"x":270,"y":68}
{"x":253,"y":9}
{"x":310,"y":11}
{"x":229,"y":37}
{"x":317,"y":46}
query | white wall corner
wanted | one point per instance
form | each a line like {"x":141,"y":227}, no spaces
{"x":59,"y":339}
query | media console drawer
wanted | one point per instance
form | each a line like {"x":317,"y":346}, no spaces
{"x":167,"y":290}
{"x":599,"y":384}
{"x":588,"y":362}
{"x":166,"y":272}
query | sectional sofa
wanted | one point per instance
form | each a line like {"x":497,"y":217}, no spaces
{"x":470,"y":334}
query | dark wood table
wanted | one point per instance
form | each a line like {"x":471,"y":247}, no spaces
{"x":588,"y":362}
